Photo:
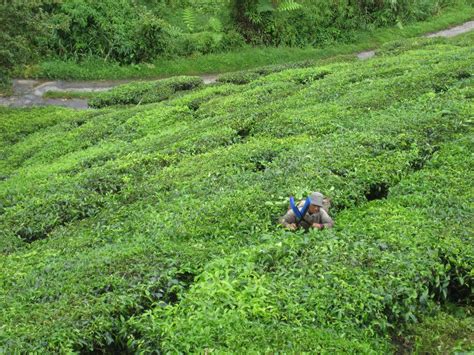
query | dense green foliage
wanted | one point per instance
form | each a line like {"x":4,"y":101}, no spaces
{"x":310,"y":22}
{"x":140,"y":31}
{"x":16,"y":43}
{"x":236,"y":59}
{"x":123,"y":31}
{"x":152,"y":228}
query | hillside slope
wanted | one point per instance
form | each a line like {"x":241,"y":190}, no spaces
{"x":153,"y":227}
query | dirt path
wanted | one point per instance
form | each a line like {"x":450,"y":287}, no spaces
{"x":450,"y":32}
{"x":453,"y":31}
{"x":30,"y":92}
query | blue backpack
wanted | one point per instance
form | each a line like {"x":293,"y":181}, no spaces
{"x":299,"y":213}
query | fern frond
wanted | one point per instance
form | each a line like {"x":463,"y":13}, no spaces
{"x":264,"y":6}
{"x":254,"y":17}
{"x":289,"y":5}
{"x":174,"y":31}
{"x":215,"y":24}
{"x":189,"y":19}
{"x":217,"y":38}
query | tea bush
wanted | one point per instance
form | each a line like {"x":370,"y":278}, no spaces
{"x":246,"y":76}
{"x":385,"y":265}
{"x":153,"y":227}
{"x":447,"y":331}
{"x":145,"y":92}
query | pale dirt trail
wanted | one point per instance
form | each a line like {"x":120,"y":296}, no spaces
{"x":30,"y":92}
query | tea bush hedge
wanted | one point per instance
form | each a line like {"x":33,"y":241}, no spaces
{"x":145,"y":92}
{"x":246,"y":76}
{"x":153,"y":228}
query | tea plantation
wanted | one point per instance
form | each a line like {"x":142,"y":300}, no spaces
{"x":152,"y":227}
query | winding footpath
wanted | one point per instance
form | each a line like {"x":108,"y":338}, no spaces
{"x":30,"y":92}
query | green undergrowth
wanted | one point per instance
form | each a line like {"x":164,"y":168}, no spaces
{"x":85,"y":95}
{"x":244,"y":58}
{"x":152,"y":228}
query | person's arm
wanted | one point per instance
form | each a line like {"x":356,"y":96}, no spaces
{"x":288,"y":220}
{"x":326,"y":220}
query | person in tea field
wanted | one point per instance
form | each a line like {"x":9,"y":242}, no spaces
{"x":316,"y":217}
